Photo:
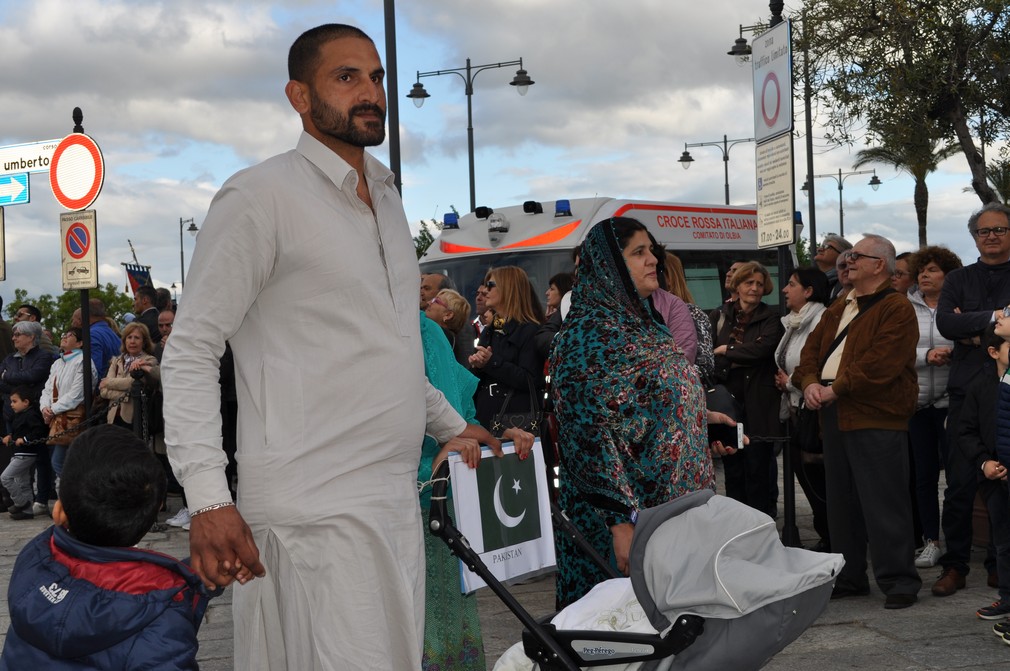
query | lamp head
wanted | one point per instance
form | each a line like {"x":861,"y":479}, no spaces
{"x":521,"y":81}
{"x":418,"y":94}
{"x":875,"y":182}
{"x":685,"y":159}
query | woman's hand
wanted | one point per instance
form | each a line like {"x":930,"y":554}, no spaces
{"x":480,"y":357}
{"x":47,"y":415}
{"x":720,"y":350}
{"x":523,"y":440}
{"x":781,"y":380}
{"x":623,"y":534}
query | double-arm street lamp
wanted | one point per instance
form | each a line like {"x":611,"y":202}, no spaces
{"x":182,"y":258}
{"x":521,"y":81}
{"x":686,"y":159}
{"x":840,"y":178}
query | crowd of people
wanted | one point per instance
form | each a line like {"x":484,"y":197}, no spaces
{"x":325,"y":548}
{"x":46,"y":397}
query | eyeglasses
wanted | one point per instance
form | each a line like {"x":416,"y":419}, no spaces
{"x":490,"y":284}
{"x":438,"y":301}
{"x":1006,"y":312}
{"x":824,"y":248}
{"x":901,"y":273}
{"x":855,"y":256}
{"x":22,"y":315}
{"x":998,"y":231}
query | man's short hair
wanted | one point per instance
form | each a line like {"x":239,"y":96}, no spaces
{"x":836,"y":241}
{"x":303,"y":57}
{"x":164,"y":300}
{"x":883,"y":248}
{"x":148,"y":292}
{"x":96,"y":308}
{"x":111,"y":487}
{"x":988,"y":207}
{"x":32,"y":310}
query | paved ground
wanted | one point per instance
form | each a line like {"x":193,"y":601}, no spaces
{"x":855,"y":633}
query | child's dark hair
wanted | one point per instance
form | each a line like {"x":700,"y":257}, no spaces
{"x":26,"y":394}
{"x":991,"y":339}
{"x":111,"y":487}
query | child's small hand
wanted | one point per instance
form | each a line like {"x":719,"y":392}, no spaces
{"x":19,"y":441}
{"x":7,"y":440}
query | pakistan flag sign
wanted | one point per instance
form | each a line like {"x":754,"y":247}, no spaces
{"x":502,"y":508}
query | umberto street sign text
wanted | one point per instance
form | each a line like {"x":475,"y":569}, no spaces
{"x":28,"y":157}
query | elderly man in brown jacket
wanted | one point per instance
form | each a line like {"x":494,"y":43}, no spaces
{"x":858,"y":369}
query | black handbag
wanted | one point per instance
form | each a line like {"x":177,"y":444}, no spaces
{"x":807,"y":430}
{"x":528,"y":420}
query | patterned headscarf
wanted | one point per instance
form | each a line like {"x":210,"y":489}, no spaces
{"x":630,"y":406}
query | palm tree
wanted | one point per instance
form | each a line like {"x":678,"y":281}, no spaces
{"x":997,"y":174}
{"x":918,"y":156}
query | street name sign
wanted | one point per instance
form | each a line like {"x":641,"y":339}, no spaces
{"x":79,"y":251}
{"x":14,"y":189}
{"x":27,"y":157}
{"x":77,"y":171}
{"x":3,"y":249}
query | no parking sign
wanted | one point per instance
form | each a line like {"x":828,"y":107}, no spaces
{"x":79,"y":253}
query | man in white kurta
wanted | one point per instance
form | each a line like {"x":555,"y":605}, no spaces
{"x":317,"y":294}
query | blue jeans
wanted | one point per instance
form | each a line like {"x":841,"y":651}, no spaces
{"x":59,"y":455}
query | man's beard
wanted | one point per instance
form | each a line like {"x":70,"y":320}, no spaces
{"x":331,"y":122}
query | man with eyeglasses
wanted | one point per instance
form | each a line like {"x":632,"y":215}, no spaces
{"x":827,"y":256}
{"x":858,"y":369}
{"x":970,"y":298}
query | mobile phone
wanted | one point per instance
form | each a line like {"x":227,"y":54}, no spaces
{"x":739,"y":435}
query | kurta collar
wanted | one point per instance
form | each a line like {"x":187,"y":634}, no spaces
{"x":337,"y":169}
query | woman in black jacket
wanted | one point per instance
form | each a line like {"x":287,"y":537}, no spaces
{"x":506,"y":360}
{"x":745,"y":333}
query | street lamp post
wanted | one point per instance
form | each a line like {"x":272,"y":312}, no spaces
{"x":521,"y":81}
{"x":182,"y":258}
{"x":840,"y":179}
{"x":686,"y":159}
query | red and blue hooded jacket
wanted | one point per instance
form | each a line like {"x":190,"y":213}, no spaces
{"x":78,"y":606}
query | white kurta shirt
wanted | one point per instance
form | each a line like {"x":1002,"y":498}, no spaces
{"x":318,"y":298}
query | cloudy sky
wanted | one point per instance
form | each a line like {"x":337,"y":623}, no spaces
{"x":180,"y":94}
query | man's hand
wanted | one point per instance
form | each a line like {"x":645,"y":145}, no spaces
{"x":482,"y":436}
{"x":223,"y":549}
{"x":816,"y":396}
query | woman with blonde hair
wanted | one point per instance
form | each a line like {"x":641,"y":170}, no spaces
{"x":451,"y":311}
{"x":137,"y":355}
{"x":676,"y":281}
{"x":507,"y":361}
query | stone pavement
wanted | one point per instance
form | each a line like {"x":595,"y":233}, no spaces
{"x":853,"y":633}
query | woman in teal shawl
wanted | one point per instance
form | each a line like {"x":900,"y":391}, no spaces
{"x":452,"y":638}
{"x":630,"y":407}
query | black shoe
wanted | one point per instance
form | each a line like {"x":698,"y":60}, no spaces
{"x":820,"y":546}
{"x":840,"y":592}
{"x":896,"y":601}
{"x":23,"y":514}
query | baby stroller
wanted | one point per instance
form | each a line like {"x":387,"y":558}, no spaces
{"x":710,"y":574}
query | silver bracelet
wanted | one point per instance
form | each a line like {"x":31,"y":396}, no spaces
{"x":216,"y":506}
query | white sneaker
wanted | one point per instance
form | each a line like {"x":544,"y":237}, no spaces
{"x":929,"y":555}
{"x":180,"y":519}
{"x":40,"y":508}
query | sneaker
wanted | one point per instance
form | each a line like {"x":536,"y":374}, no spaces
{"x":186,"y":526}
{"x":40,"y":509}
{"x":13,"y":508}
{"x":23,"y":513}
{"x":929,"y":556}
{"x":1001,"y":628}
{"x":180,"y":519}
{"x":997,"y":611}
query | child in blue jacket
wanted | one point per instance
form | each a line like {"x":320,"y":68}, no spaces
{"x":80,"y":596}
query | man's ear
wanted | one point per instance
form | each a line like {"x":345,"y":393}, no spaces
{"x":298,"y":95}
{"x":60,"y":515}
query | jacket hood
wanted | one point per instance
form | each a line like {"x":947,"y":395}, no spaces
{"x":67,"y":615}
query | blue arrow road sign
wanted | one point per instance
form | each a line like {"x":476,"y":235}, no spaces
{"x":14,"y":189}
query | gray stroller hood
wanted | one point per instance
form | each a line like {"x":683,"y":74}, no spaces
{"x":711,"y":556}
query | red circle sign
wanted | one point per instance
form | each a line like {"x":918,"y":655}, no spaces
{"x":76,"y":172}
{"x":770,"y":119}
{"x":78,"y":240}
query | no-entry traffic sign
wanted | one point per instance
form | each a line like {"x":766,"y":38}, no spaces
{"x":77,"y":171}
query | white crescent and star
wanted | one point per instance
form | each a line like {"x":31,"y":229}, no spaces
{"x":507,"y":520}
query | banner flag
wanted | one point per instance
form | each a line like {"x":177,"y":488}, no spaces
{"x":138,"y":276}
{"x":502,"y":508}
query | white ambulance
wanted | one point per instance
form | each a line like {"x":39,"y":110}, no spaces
{"x":540,"y":236}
